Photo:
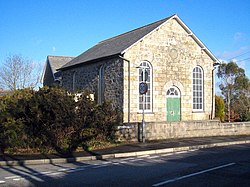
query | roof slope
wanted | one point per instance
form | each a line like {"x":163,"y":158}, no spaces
{"x":115,"y":45}
{"x":118,"y":44}
{"x":57,"y":62}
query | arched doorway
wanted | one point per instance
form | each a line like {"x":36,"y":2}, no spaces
{"x":173,"y":104}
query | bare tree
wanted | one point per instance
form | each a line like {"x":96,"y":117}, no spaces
{"x":18,"y":72}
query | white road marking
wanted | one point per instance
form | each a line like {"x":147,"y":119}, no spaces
{"x":79,"y":169}
{"x":152,"y":157}
{"x":74,"y":170}
{"x":181,"y":152}
{"x":100,"y":166}
{"x":127,"y":159}
{"x":121,"y":162}
{"x":136,"y":160}
{"x":142,"y":156}
{"x":43,"y":173}
{"x":109,"y":162}
{"x":63,"y":169}
{"x":167,"y":154}
{"x":193,"y":174}
{"x":17,"y":179}
{"x":12,"y":177}
{"x":56,"y":173}
{"x":193,"y":150}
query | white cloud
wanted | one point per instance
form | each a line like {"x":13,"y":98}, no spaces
{"x":53,"y":49}
{"x":239,"y":36}
{"x":36,"y":41}
{"x":230,"y":55}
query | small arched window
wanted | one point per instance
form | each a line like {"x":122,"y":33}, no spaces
{"x":198,"y":94}
{"x":145,"y":75}
{"x":173,"y":92}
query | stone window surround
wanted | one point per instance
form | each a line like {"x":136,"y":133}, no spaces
{"x":150,"y":93}
{"x":199,"y":109}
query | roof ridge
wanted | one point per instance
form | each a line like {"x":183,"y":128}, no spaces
{"x":162,"y":20}
{"x":61,"y":56}
{"x":116,"y":44}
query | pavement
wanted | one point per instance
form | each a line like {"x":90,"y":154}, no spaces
{"x":126,"y":150}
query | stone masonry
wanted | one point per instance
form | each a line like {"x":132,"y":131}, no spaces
{"x":184,"y":129}
{"x":173,"y":55}
{"x":87,"y":78}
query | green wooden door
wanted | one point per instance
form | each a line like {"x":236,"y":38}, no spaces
{"x":173,"y":109}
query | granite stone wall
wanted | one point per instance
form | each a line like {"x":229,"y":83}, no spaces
{"x":173,"y":54}
{"x":87,"y":78}
{"x":184,"y":129}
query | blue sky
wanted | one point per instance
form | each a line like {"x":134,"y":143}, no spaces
{"x":37,"y":28}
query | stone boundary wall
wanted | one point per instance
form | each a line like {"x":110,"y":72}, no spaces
{"x":183,"y":129}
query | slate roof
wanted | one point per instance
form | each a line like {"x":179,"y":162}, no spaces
{"x":57,"y":62}
{"x":118,"y":44}
{"x":115,"y":45}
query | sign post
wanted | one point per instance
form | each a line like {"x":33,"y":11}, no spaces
{"x":143,"y":88}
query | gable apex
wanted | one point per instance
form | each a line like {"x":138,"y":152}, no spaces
{"x":195,"y":38}
{"x":187,"y":29}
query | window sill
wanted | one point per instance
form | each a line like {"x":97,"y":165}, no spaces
{"x":198,"y":111}
{"x":145,"y":112}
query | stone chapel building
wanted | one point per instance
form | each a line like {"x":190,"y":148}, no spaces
{"x":177,"y":66}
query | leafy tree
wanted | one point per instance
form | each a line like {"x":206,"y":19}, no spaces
{"x":18,"y":72}
{"x":234,"y":87}
{"x":219,"y":107}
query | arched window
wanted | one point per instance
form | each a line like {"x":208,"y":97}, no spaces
{"x":173,"y":92}
{"x":145,"y":75}
{"x":198,"y":94}
{"x":101,"y":85}
{"x":74,"y":81}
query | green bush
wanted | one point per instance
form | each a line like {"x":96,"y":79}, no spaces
{"x":12,"y":119}
{"x":52,"y":112}
{"x":245,"y":116}
{"x":98,"y":122}
{"x":50,"y":119}
{"x":219,"y":107}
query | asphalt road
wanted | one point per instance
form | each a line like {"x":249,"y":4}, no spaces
{"x":223,"y":166}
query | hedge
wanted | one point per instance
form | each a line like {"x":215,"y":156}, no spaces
{"x":50,"y":119}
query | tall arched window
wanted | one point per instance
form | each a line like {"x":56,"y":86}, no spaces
{"x":145,"y":77}
{"x":101,"y":85}
{"x":198,"y":94}
{"x":74,"y":81}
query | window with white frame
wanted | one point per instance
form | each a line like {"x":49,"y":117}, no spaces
{"x":145,"y":75}
{"x":198,"y":94}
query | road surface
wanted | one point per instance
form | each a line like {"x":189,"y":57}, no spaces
{"x":223,"y":166}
